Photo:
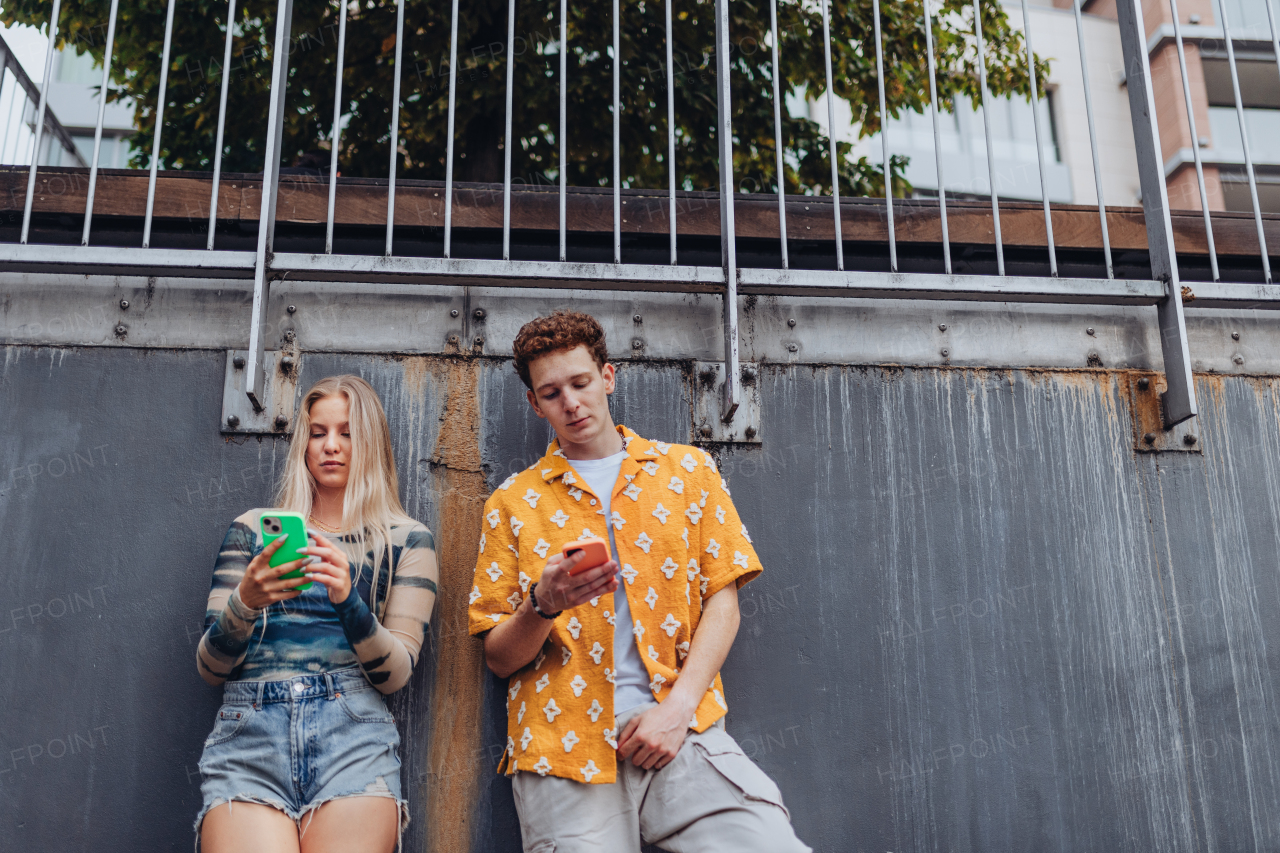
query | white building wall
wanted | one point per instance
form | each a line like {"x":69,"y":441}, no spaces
{"x":1069,"y":163}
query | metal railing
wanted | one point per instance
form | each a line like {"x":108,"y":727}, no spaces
{"x":24,"y":132}
{"x":1224,"y":19}
{"x":1164,"y":291}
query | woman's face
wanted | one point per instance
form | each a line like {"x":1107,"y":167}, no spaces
{"x":329,"y":447}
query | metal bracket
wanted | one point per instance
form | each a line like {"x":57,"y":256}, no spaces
{"x":280,"y":391}
{"x":1146,"y":393}
{"x":710,"y":426}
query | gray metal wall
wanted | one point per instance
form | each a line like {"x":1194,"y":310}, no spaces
{"x":985,"y":624}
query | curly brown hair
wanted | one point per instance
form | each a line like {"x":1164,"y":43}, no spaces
{"x":563,"y":330}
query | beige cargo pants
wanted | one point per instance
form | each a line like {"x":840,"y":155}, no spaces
{"x":711,"y":798}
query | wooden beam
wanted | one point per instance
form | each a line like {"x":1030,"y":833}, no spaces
{"x":363,"y":201}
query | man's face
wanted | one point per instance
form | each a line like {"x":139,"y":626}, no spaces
{"x":571,"y":392}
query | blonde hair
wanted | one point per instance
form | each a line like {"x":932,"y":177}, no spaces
{"x":371,"y":503}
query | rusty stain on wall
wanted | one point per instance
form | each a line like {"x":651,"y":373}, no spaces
{"x":457,"y":702}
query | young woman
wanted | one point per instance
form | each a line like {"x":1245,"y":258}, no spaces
{"x":304,"y":755}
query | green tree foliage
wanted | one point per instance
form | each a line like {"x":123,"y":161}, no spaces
{"x":195,"y":77}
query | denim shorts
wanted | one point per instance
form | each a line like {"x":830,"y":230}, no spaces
{"x":298,"y":743}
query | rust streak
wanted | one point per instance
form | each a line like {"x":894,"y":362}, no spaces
{"x":457,"y":707}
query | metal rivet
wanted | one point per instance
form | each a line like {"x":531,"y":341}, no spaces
{"x":292,"y":308}
{"x":942,"y":327}
{"x":946,"y":353}
{"x":1189,"y":440}
{"x":238,"y":362}
{"x":1235,"y":336}
{"x":637,"y":343}
{"x":478,"y":314}
{"x":281,"y":421}
{"x":705,"y":432}
{"x":122,"y":329}
{"x":286,"y":363}
{"x":792,"y":347}
{"x":792,"y":322}
{"x":124,"y":306}
{"x":1149,"y":438}
{"x":453,"y":313}
{"x":749,"y":432}
{"x":453,"y":339}
{"x":233,"y":421}
{"x":290,"y":335}
{"x":1144,"y":383}
{"x":748,"y":375}
{"x":1238,"y":359}
{"x":637,"y":318}
{"x":479,"y":341}
{"x":1090,"y":331}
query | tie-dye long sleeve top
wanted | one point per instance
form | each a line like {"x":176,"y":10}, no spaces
{"x":309,"y":634}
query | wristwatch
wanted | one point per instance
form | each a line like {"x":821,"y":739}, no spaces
{"x":533,"y":599}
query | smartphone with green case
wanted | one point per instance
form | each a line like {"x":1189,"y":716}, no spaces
{"x":278,"y":523}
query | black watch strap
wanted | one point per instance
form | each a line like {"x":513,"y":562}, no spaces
{"x":533,"y":599}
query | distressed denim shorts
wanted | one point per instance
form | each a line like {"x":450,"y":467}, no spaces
{"x":298,"y":743}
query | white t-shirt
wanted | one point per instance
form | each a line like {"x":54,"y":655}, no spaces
{"x":631,"y":681}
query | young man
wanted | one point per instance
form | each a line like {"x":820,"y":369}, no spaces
{"x":615,"y":733}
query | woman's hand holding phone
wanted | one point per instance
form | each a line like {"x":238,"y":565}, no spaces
{"x":560,"y":589}
{"x":262,"y":585}
{"x":331,"y":567}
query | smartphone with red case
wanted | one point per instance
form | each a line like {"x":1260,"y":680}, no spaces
{"x":596,"y":553}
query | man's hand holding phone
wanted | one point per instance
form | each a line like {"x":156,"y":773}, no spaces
{"x":262,"y":585}
{"x":561,"y":587}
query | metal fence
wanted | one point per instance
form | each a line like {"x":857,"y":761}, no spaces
{"x":729,"y":278}
{"x":22,"y":104}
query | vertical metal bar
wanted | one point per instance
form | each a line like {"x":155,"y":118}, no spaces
{"x":1179,"y":401}
{"x":564,"y":123}
{"x":1035,"y":121}
{"x":777,"y":133}
{"x":97,"y":129}
{"x":728,"y":248}
{"x":617,"y":135}
{"x":4,"y":75}
{"x":671,"y":136}
{"x":255,"y":376}
{"x":395,"y":127}
{"x":937,"y":137}
{"x":1195,"y":139}
{"x":448,"y":157}
{"x":884,"y":140}
{"x":1244,"y":139}
{"x":222,"y":123}
{"x":13,"y":126}
{"x":155,"y":141}
{"x":831,"y":134}
{"x":9,"y":121}
{"x":986,"y":126}
{"x":44,"y":105}
{"x":507,"y":144}
{"x":335,"y":138}
{"x":4,"y":78}
{"x":1093,"y":143}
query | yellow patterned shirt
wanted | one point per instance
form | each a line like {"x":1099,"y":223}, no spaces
{"x":679,"y":540}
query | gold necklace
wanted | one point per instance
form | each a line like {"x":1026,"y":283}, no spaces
{"x":326,"y":528}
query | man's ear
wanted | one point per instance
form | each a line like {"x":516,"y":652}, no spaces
{"x":533,"y":401}
{"x":609,"y":372}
